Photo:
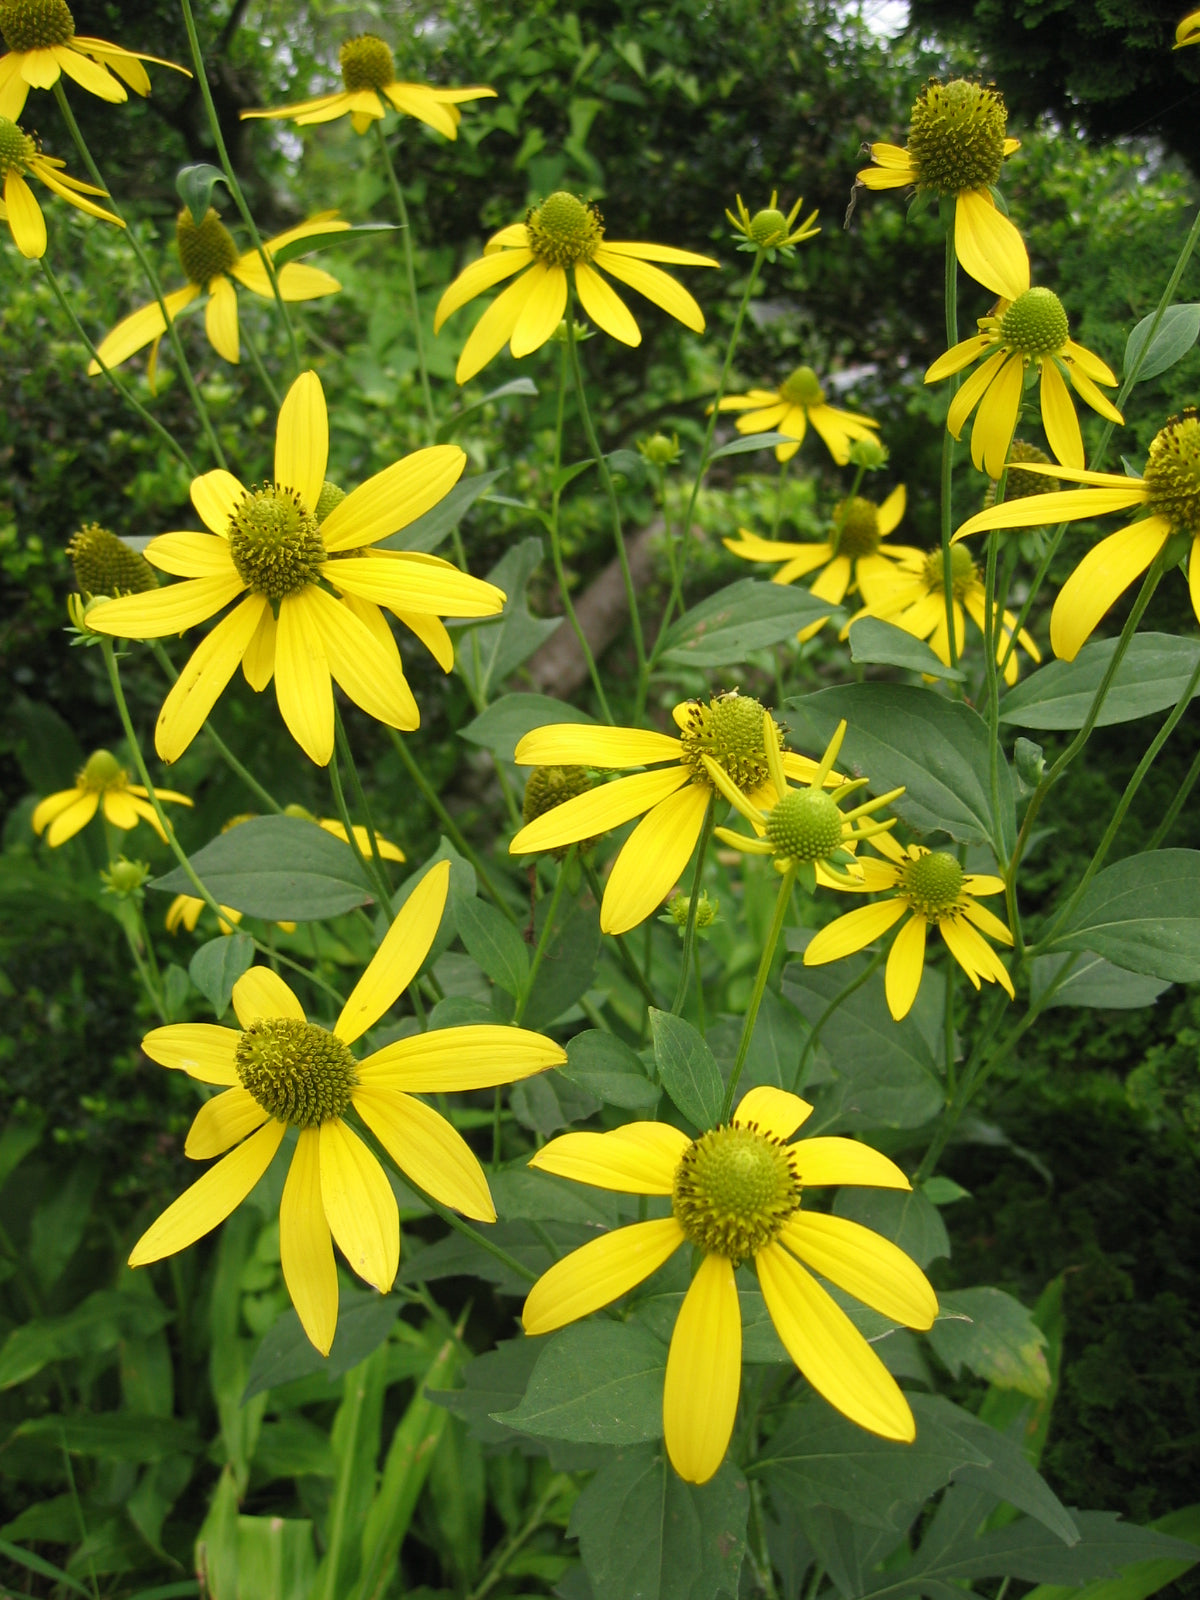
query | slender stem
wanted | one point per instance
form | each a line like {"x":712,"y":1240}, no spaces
{"x":689,"y":932}
{"x":839,"y":999}
{"x":364,"y":810}
{"x":369,"y":862}
{"x":215,"y":739}
{"x":544,"y":937}
{"x":256,"y":361}
{"x":951,"y":299}
{"x":235,"y":188}
{"x":1176,"y":806}
{"x":147,"y":267}
{"x":410,"y":272}
{"x":460,"y":1225}
{"x":147,"y":417}
{"x":766,"y":961}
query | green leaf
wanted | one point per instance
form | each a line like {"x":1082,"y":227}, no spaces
{"x":879,"y":643}
{"x":609,"y":1069}
{"x":747,"y":615}
{"x":507,"y":720}
{"x":113,"y":1435}
{"x":275,"y":1556}
{"x":1152,"y":676}
{"x":427,"y":532}
{"x":548,"y":1102}
{"x":903,"y":734}
{"x":1173,"y":338}
{"x":43,"y":1568}
{"x":293,"y":1447}
{"x":286,"y":1353}
{"x":594,"y":1383}
{"x":515,"y":386}
{"x":492,"y":1383}
{"x":218,"y":965}
{"x":568,"y":963}
{"x":687,"y":1068}
{"x":18,"y":1138}
{"x":1139,"y":1579}
{"x":489,"y":650}
{"x":905,"y":1216}
{"x":746,"y":443}
{"x":284,"y":869}
{"x":993,"y":1335}
{"x":195,"y":184}
{"x":492,"y":940}
{"x":1093,"y":981}
{"x":1142,"y":914}
{"x":96,"y":1324}
{"x":355,"y":1436}
{"x":320,"y":241}
{"x":644,"y":1534}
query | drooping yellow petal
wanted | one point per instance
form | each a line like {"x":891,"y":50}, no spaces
{"x":191,"y":555}
{"x":608,"y":806}
{"x":973,"y":953}
{"x":399,"y":581}
{"x":829,"y":1159}
{"x":369,"y":672}
{"x":832,"y":584}
{"x":640,"y":1158}
{"x":477,"y":1056}
{"x":895,"y":156}
{"x":89,"y":75}
{"x":852,"y":932}
{"x":656,"y":285}
{"x":258,"y":658}
{"x":604,"y":305}
{"x":414,"y":100}
{"x":303,"y":686}
{"x":52,"y":806}
{"x":493,"y":330}
{"x":1100,"y":578}
{"x":359,"y":1206}
{"x":427,"y":1149}
{"x":972,"y":391}
{"x":838,"y":429}
{"x":1087,"y":361}
{"x":206,"y":672}
{"x":221,"y":1122}
{"x":221,"y":318}
{"x":996,"y":420}
{"x":475,"y":279}
{"x":828,"y":1348}
{"x":172,"y":609}
{"x":545,"y":302}
{"x":431,"y":631}
{"x":905,"y":964}
{"x":305,"y":1249}
{"x":652,"y":858}
{"x":657,"y":252}
{"x":201,"y":1049}
{"x":71,"y":819}
{"x":39,"y":68}
{"x":959,"y":356}
{"x":393,"y":498}
{"x":398,"y":960}
{"x":774,"y":1111}
{"x":990,"y":249}
{"x":140,"y":328}
{"x":1084,"y":387}
{"x":1035,"y":511}
{"x":118,"y":807}
{"x":302,"y":440}
{"x":704,"y":1372}
{"x":261,"y":994}
{"x":599,"y":1272}
{"x":1058,"y":417}
{"x":892,"y":510}
{"x":587,"y":745}
{"x":866,"y":1265}
{"x":24,"y":217}
{"x":210,"y":1199}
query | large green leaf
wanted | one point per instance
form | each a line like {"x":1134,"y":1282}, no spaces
{"x":904,"y":734}
{"x":686,"y":1068}
{"x":1093,"y":981}
{"x":747,"y":615}
{"x":876,"y":642}
{"x":905,"y":1216}
{"x":568,"y":962}
{"x":494,"y":942}
{"x":995,"y":1336}
{"x":595,"y":1383}
{"x":286,"y":1353}
{"x":1142,"y":914}
{"x":1152,"y":676}
{"x":1173,"y":338}
{"x":217,"y":966}
{"x":1139,"y":1579}
{"x":96,"y":1324}
{"x":492,"y":1384}
{"x":507,"y":720}
{"x":609,"y":1069}
{"x":284,"y":869}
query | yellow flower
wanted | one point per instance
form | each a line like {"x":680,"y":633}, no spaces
{"x":853,"y":557}
{"x":736,"y":1195}
{"x":789,"y":409}
{"x":1031,"y":328}
{"x":279,"y":1070}
{"x":213,"y":264}
{"x":674,"y":797}
{"x":101,"y":783}
{"x":956,"y":146}
{"x":369,"y":79}
{"x":912,"y":596}
{"x":43,"y":44}
{"x":267,"y":541}
{"x":933,"y":889}
{"x":184,"y":912}
{"x":1188,"y":31}
{"x":560,"y":242}
{"x":769,"y":230}
{"x":21,"y":157}
{"x":1169,"y":493}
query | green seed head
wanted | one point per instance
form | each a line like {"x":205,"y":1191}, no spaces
{"x":802,"y":388}
{"x":1173,"y":473}
{"x":298,"y":1073}
{"x":104,"y":564}
{"x":857,"y":524}
{"x":366,"y":63}
{"x":679,"y":909}
{"x":660,"y":449}
{"x":547,"y":787}
{"x":734,"y":1190}
{"x":1019,"y":485}
{"x":205,"y":249}
{"x":564,"y":230}
{"x":1035,"y":324}
{"x":101,"y":771}
{"x":35,"y":24}
{"x":806,"y":825}
{"x":17,"y":148}
{"x":274,"y":542}
{"x":964,"y":574}
{"x":730,"y":730}
{"x":124,"y":878}
{"x":932,"y":883}
{"x":956,"y":136}
{"x":768,"y":227}
{"x":329,"y":497}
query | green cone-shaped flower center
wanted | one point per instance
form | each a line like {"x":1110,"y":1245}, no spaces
{"x":956,"y":137}
{"x":550,"y":786}
{"x":806,"y":825}
{"x":274,"y":542}
{"x":99,"y":772}
{"x":1035,"y":324}
{"x":734,"y":1190}
{"x":104,"y":564}
{"x":768,"y":227}
{"x":1173,"y":473}
{"x":730,"y":730}
{"x":16,"y":148}
{"x":858,"y":533}
{"x":802,"y":388}
{"x":963,"y":572}
{"x":1020,"y":485}
{"x":564,"y":230}
{"x":297,"y":1072}
{"x":331,"y":495}
{"x":205,"y":249}
{"x":366,"y":63}
{"x":932,"y":883}
{"x":35,"y":24}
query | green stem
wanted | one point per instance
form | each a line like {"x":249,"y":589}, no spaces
{"x":410,"y":272}
{"x":147,"y":417}
{"x":951,"y":299}
{"x":364,"y":810}
{"x":544,"y":937}
{"x":766,"y":961}
{"x":235,"y":187}
{"x":215,"y":739}
{"x":1176,"y":806}
{"x":839,"y":999}
{"x":371,"y":864}
{"x":256,"y":361}
{"x":689,"y":932}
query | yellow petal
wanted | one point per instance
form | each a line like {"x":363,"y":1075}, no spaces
{"x":40,"y":68}
{"x":652,"y":858}
{"x":972,"y":391}
{"x":584,"y":744}
{"x":545,"y":302}
{"x":493,"y":330}
{"x":604,"y":305}
{"x":141,"y":328}
{"x":838,"y":429}
{"x":431,"y":631}
{"x":359,"y":1206}
{"x":989,"y":247}
{"x":120,"y":810}
{"x":206,"y":672}
{"x":475,"y":279}
{"x":704,"y":1372}
{"x":302,"y":683}
{"x":302,"y":440}
{"x":71,"y":819}
{"x":1087,"y":390}
{"x":892,"y":510}
{"x":640,"y":1158}
{"x":657,"y":252}
{"x":607,"y":806}
{"x":261,"y":993}
{"x":24,"y":217}
{"x":408,"y":585}
{"x":869,"y":1267}
{"x":191,"y":555}
{"x":221,"y":318}
{"x":599,"y":1272}
{"x":258,"y":658}
{"x":832,"y":584}
{"x":959,"y":356}
{"x":393,"y":498}
{"x":852,"y":932}
{"x":216,"y":496}
{"x":52,"y":806}
{"x":172,"y":609}
{"x":1087,"y":361}
{"x":973,"y":953}
{"x":673,"y":298}
{"x":210,"y":1199}
{"x":478,"y":1056}
{"x":13,"y":89}
{"x":201,"y":1049}
{"x":89,"y":75}
{"x":905,"y":964}
{"x":1100,"y":578}
{"x":398,"y":960}
{"x":362,"y":836}
{"x":1035,"y":511}
{"x":427,"y":1149}
{"x":996,"y":420}
{"x":774,"y":1111}
{"x":829,"y":1350}
{"x":221,"y":1122}
{"x":414,"y":100}
{"x":369,"y":672}
{"x":828,"y":1159}
{"x":1058,"y":417}
{"x":305,"y":1250}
